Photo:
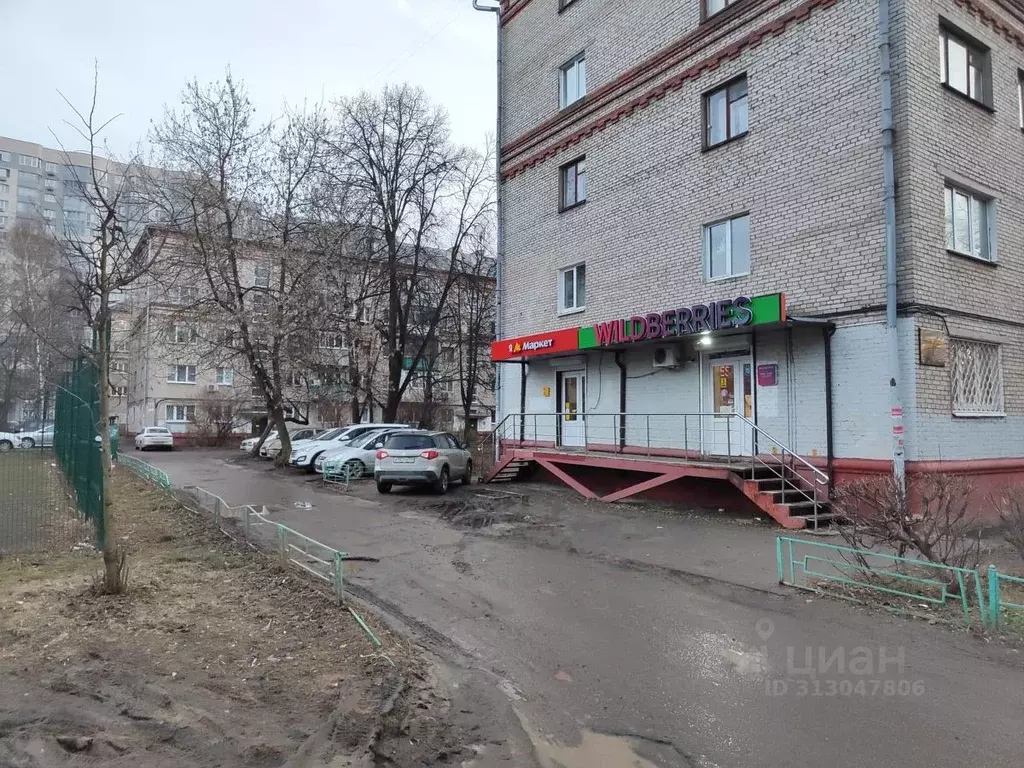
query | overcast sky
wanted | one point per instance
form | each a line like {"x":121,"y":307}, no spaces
{"x":284,"y":50}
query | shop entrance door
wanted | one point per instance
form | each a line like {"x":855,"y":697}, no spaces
{"x":572,"y":422}
{"x":729,"y":391}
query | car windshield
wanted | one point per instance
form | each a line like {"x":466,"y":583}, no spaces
{"x":158,"y":431}
{"x":330,"y":434}
{"x":409,"y":442}
{"x":368,"y":440}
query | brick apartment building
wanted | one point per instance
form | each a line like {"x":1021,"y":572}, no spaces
{"x":694,"y":222}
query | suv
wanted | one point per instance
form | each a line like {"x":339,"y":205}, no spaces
{"x":426,"y":458}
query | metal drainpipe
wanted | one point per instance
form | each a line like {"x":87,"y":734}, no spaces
{"x":888,"y":131}
{"x":500,"y":245}
{"x":829,"y":442}
{"x":622,"y":399}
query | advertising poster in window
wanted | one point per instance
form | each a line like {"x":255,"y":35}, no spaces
{"x":725,"y":388}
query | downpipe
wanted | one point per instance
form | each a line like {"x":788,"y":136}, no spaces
{"x":892,"y":342}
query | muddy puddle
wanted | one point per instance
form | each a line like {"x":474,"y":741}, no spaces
{"x":594,"y":750}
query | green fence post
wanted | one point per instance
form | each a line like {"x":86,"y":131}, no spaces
{"x":282,"y":544}
{"x":993,"y":597}
{"x":778,"y":559}
{"x":339,"y":576}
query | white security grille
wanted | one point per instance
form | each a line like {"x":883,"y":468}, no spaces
{"x":977,"y":378}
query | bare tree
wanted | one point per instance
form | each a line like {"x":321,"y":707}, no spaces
{"x":420,"y":197}
{"x":101,"y":264}
{"x":240,"y":193}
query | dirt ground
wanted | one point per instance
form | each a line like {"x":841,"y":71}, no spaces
{"x":215,"y":657}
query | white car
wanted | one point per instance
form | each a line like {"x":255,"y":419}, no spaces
{"x":154,"y":437}
{"x":7,"y":441}
{"x":36,"y":437}
{"x":422,"y":458}
{"x":305,"y":452}
{"x":358,"y":455}
{"x":272,"y":446}
{"x":250,"y":442}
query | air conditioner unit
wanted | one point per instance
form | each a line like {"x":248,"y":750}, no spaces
{"x":666,"y":357}
{"x":211,"y":387}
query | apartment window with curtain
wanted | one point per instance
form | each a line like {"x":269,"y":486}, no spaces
{"x":725,"y":112}
{"x":727,"y":248}
{"x":970,"y":222}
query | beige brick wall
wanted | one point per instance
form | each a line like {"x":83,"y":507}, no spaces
{"x":809,"y":173}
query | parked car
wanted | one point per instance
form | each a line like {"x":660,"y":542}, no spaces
{"x":7,"y":441}
{"x":422,"y":458}
{"x":37,"y":437}
{"x":250,"y":442}
{"x":305,"y":452}
{"x":154,"y":437}
{"x":272,"y":445}
{"x":359,"y":454}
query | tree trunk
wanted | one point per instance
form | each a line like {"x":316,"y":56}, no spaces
{"x":282,"y":434}
{"x":112,"y":584}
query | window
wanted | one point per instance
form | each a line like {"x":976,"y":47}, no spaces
{"x":119,"y":391}
{"x":49,"y":198}
{"x":5,"y":157}
{"x":51,"y":185}
{"x":711,"y":7}
{"x":262,"y":276}
{"x":976,"y":378}
{"x":574,"y":183}
{"x":180,"y":413}
{"x":31,"y":162}
{"x":181,"y":374}
{"x":182,"y":334}
{"x":48,"y":215}
{"x":332,"y":341}
{"x":26,"y":178}
{"x":725,"y":112}
{"x":727,"y":248}
{"x":964,"y":65}
{"x":24,"y":193}
{"x":969,"y":219}
{"x":5,"y":189}
{"x":119,"y":366}
{"x":563,"y":4}
{"x":3,"y":205}
{"x":51,"y":167}
{"x":447,"y":385}
{"x":361,"y":311}
{"x":447,"y":356}
{"x":225,"y":377}
{"x":3,"y":222}
{"x":572,"y":289}
{"x":572,"y":80}
{"x":183,"y":294}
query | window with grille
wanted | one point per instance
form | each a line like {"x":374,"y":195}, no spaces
{"x":976,"y":378}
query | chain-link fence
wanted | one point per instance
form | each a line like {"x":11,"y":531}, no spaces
{"x":51,"y":494}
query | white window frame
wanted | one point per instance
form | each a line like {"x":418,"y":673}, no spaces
{"x":5,"y":157}
{"x":3,"y":222}
{"x":976,"y":202}
{"x":972,"y":410}
{"x":328,"y":340}
{"x":714,"y":7}
{"x":49,"y":197}
{"x":572,"y":80}
{"x":564,"y":307}
{"x":264,"y":271}
{"x":183,"y":334}
{"x":119,"y":390}
{"x":172,"y":411}
{"x":50,"y":167}
{"x":118,"y":366}
{"x":3,"y":205}
{"x":225,"y":377}
{"x":5,"y":188}
{"x":188,"y":291}
{"x":175,"y":371}
{"x":28,"y":161}
{"x":49,"y":215}
{"x":731,"y":271}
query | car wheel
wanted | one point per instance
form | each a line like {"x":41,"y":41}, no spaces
{"x":383,"y":487}
{"x":5,"y":446}
{"x":354,"y":469}
{"x":28,"y":442}
{"x":311,"y":467}
{"x":468,"y":477}
{"x":441,"y":486}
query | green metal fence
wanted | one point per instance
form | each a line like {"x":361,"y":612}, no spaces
{"x":1000,"y":607}
{"x":76,"y":441}
{"x":816,"y":565}
{"x":145,"y":470}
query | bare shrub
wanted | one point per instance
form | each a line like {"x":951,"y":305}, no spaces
{"x":1011,"y":513}
{"x":928,"y":517}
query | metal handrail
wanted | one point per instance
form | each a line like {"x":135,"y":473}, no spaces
{"x":786,"y":464}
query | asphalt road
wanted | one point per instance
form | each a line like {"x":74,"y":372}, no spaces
{"x":593,"y":636}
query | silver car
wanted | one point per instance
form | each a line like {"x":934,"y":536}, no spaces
{"x":426,"y":458}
